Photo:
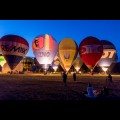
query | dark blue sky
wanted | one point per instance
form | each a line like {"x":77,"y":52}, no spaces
{"x":60,"y":29}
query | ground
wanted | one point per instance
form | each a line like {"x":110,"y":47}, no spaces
{"x":51,"y":87}
{"x":38,"y":93}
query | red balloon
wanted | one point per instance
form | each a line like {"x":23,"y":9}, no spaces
{"x":90,"y":50}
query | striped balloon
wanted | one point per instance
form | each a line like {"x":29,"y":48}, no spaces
{"x":14,"y":48}
{"x":45,"y":48}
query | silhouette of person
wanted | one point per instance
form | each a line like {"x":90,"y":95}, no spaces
{"x":64,"y":78}
{"x":109,"y":80}
{"x":74,"y":76}
{"x":105,"y":91}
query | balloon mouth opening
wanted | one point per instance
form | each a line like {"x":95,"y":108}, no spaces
{"x":91,"y":70}
{"x":104,"y":69}
{"x":77,"y":69}
{"x":45,"y":67}
{"x":55,"y":68}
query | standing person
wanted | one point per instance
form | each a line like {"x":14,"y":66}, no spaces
{"x":74,"y":76}
{"x":64,"y":78}
{"x":109,"y":78}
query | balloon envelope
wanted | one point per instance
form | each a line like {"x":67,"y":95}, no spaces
{"x":14,"y":48}
{"x":77,"y":63}
{"x":6,"y":68}
{"x":68,"y":51}
{"x":90,"y":50}
{"x":56,"y":61}
{"x":2,"y":60}
{"x":44,"y":48}
{"x":109,"y":55}
{"x":27,"y":62}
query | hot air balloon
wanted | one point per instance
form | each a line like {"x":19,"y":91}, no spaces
{"x":77,"y":63}
{"x":55,"y":63}
{"x":27,"y":62}
{"x":14,"y":48}
{"x":68,"y":51}
{"x":109,"y":55}
{"x":90,"y":50}
{"x":0,"y":48}
{"x":2,"y":60}
{"x":45,"y":48}
{"x":17,"y":69}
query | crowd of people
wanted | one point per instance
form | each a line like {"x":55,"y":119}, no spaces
{"x":64,"y":76}
{"x":90,"y":91}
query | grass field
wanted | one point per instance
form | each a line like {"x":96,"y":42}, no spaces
{"x":51,"y":87}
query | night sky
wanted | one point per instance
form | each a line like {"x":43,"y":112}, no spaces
{"x":60,"y":29}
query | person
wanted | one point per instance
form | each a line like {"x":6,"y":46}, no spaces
{"x":74,"y":76}
{"x":104,"y":92}
{"x":90,"y":91}
{"x":109,"y":78}
{"x":64,"y":78}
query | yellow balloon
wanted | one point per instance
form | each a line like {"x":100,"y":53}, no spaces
{"x":62,"y":65}
{"x":68,"y":51}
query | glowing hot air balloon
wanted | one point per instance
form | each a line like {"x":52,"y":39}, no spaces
{"x":61,"y":64}
{"x":68,"y":51}
{"x":27,"y":62}
{"x":45,"y":48}
{"x":18,"y":68}
{"x":77,"y":63}
{"x":55,"y":63}
{"x":14,"y":48}
{"x":109,"y":55}
{"x":2,"y":60}
{"x":90,"y":50}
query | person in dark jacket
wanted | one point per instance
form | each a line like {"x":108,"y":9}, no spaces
{"x":74,"y":76}
{"x":109,"y":78}
{"x":64,"y":78}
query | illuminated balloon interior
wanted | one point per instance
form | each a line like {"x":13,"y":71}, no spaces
{"x":104,"y":69}
{"x":55,"y":68}
{"x":77,"y":68}
{"x":2,"y":60}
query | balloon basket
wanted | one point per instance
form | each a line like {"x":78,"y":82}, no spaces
{"x":45,"y":72}
{"x":91,"y":73}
